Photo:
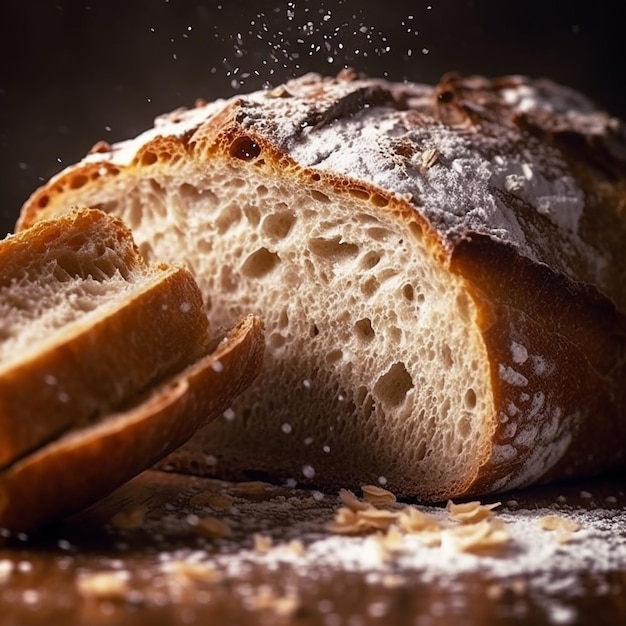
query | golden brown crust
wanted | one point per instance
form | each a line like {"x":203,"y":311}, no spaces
{"x":88,"y":368}
{"x":558,"y":352}
{"x":86,"y":464}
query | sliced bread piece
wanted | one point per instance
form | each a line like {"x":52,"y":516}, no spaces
{"x":86,"y":324}
{"x":439,"y":268}
{"x":88,"y":462}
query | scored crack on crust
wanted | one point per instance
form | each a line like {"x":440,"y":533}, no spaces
{"x":439,"y":270}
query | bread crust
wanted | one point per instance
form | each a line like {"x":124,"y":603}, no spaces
{"x":87,"y":463}
{"x":517,"y":187}
{"x":88,"y":367}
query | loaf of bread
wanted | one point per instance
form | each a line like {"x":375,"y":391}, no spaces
{"x":439,"y":270}
{"x":106,"y":364}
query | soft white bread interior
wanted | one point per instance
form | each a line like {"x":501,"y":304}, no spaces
{"x":86,"y":324}
{"x":438,"y":269}
{"x":87,"y":463}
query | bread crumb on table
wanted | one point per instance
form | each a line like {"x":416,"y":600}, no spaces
{"x":378,"y":496}
{"x":188,"y":572}
{"x":130,"y":518}
{"x":103,"y":585}
{"x":215,"y":501}
{"x":349,"y":499}
{"x":211,"y":527}
{"x":469,"y":526}
{"x":564,"y":527}
{"x":469,"y":512}
{"x":486,"y":535}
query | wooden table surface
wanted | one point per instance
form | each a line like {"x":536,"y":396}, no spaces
{"x":147,"y":555}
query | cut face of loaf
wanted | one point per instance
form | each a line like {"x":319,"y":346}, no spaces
{"x":86,"y":324}
{"x":436,"y":267}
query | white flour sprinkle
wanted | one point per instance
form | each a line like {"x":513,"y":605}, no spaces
{"x":599,"y":547}
{"x":552,"y":553}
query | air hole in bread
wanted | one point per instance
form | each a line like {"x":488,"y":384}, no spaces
{"x":391,"y":388}
{"x":148,"y":158}
{"x":363,"y":329}
{"x":370,"y":286}
{"x":277,"y":225}
{"x":416,"y":230}
{"x":253,"y":215}
{"x":245,"y":149}
{"x":378,"y":200}
{"x":333,"y":249}
{"x":470,"y":399}
{"x":283,"y":319}
{"x":464,"y":427}
{"x":146,"y":251}
{"x":429,"y":353}
{"x":260,"y":263}
{"x":276,"y":342}
{"x":367,"y":405}
{"x":204,"y":245}
{"x":395,"y":334}
{"x":463,"y":306}
{"x":319,"y":196}
{"x":379,"y":234}
{"x":228,"y":280}
{"x":446,"y":356}
{"x":43,"y":201}
{"x":230,"y":215}
{"x":408,"y":292}
{"x":420,"y":450}
{"x":361,"y":194}
{"x":370,"y":259}
{"x":334,"y":356}
{"x":360,"y":394}
{"x":444,"y":409}
{"x":78,"y":181}
{"x":191,"y":193}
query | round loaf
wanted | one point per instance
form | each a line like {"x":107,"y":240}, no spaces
{"x":439,"y":270}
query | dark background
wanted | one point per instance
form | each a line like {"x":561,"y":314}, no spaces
{"x":75,"y":72}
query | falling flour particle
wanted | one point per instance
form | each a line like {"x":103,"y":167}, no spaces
{"x":308,"y":471}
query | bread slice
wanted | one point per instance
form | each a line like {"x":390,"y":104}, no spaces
{"x":87,"y":463}
{"x":86,"y":324}
{"x":439,"y":269}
